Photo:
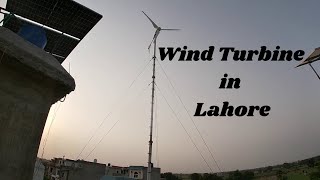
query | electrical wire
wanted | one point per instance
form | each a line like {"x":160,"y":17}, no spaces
{"x":109,"y":114}
{"x":314,"y":71}
{"x":194,"y":144}
{"x":94,"y":133}
{"x":184,"y":106}
{"x":141,"y":71}
{"x":113,"y":125}
{"x":47,"y":136}
{"x":54,"y":7}
{"x":61,"y":100}
{"x":102,"y":138}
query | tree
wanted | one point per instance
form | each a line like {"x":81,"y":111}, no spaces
{"x":286,"y":165}
{"x":237,"y":175}
{"x":315,"y":176}
{"x":248,"y":175}
{"x":169,"y":176}
{"x":311,"y":162}
{"x":269,"y":168}
{"x":195,"y":176}
{"x":279,"y":174}
{"x":207,"y":176}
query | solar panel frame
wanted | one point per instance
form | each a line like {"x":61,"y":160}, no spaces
{"x":60,"y":44}
{"x":63,"y":15}
{"x":67,"y":17}
{"x":57,"y":43}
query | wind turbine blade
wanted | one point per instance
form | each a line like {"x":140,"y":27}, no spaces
{"x":150,"y":44}
{"x":154,"y":24}
{"x":172,"y":29}
{"x":154,"y":37}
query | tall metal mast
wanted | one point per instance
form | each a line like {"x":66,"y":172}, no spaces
{"x":152,"y":106}
{"x":154,"y":41}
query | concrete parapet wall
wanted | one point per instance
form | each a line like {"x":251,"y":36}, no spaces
{"x":31,"y":80}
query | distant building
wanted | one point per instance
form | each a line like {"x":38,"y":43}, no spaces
{"x":132,"y":172}
{"x":117,"y":171}
{"x":115,"y":178}
{"x":39,"y":169}
{"x":140,"y":172}
{"x":67,"y":169}
{"x":136,"y":172}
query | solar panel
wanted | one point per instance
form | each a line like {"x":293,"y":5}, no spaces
{"x":66,"y":16}
{"x":57,"y":44}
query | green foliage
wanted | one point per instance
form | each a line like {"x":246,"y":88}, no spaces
{"x":315,"y":176}
{"x":205,"y":176}
{"x":297,"y":176}
{"x":287,"y":165}
{"x":169,"y":176}
{"x":195,"y":176}
{"x":210,"y":177}
{"x":237,"y":175}
{"x":279,"y":174}
{"x":269,"y":168}
{"x":311,"y":162}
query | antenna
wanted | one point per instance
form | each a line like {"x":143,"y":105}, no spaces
{"x":154,"y":41}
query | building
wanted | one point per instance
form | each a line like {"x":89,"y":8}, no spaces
{"x":131,"y":172}
{"x":67,"y":169}
{"x":140,"y":172}
{"x":115,"y":178}
{"x":117,"y":171}
{"x":39,"y":169}
{"x":30,"y":58}
{"x":136,"y":172}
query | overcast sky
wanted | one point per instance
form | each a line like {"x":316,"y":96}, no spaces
{"x":109,"y":58}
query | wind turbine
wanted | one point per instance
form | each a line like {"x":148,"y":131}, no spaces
{"x":154,"y":41}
